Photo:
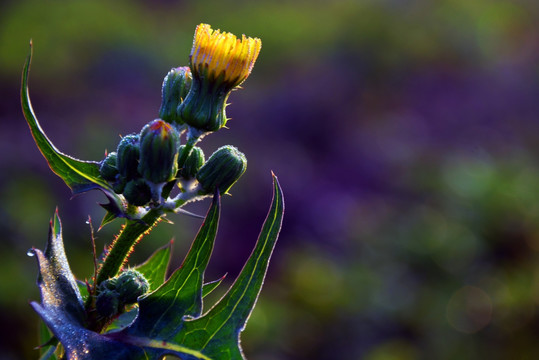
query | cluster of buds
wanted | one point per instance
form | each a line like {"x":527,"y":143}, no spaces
{"x":143,"y":163}
{"x":146,"y":166}
{"x":219,"y":63}
{"x":117,"y":292}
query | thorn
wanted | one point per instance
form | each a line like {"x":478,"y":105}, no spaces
{"x":188,"y":213}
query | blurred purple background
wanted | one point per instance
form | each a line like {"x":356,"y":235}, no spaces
{"x":405,"y":135}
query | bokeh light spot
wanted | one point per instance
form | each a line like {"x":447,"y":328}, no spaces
{"x":469,"y":310}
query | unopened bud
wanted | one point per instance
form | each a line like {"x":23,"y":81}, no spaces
{"x":108,"y":169}
{"x":159,"y":145}
{"x":175,"y":88}
{"x":108,"y":303}
{"x":119,"y":185}
{"x":137,"y":192}
{"x":192,"y":163}
{"x":130,"y":285}
{"x":128,"y":156}
{"x":224,"y":167}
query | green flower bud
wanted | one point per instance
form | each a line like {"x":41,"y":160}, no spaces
{"x":137,"y":192}
{"x":128,"y":156}
{"x":109,"y":284}
{"x":192,"y":164}
{"x":159,"y":145}
{"x":119,"y":185}
{"x":130,"y":285}
{"x":175,"y":87}
{"x":204,"y":106}
{"x":108,"y":303}
{"x":108,"y":169}
{"x":222,"y":170}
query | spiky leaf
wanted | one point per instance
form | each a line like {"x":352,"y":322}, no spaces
{"x":155,"y":268}
{"x":161,"y":311}
{"x":212,"y":285}
{"x":62,"y":308}
{"x":216,"y":334}
{"x":80,"y":176}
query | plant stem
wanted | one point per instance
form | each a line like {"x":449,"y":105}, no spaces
{"x":124,"y":243}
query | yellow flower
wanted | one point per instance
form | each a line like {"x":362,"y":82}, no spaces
{"x":221,"y":54}
{"x":219,"y":63}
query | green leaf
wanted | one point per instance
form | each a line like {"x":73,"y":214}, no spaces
{"x":48,"y":343}
{"x":109,"y":217}
{"x":216,"y":334}
{"x":212,"y":285}
{"x":155,"y":268}
{"x":79,"y":175}
{"x":161,"y":312}
{"x":122,"y":321}
{"x":83,"y":289}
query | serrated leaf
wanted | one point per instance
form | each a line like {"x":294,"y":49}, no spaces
{"x":62,"y":308}
{"x":80,"y":176}
{"x":108,"y":218}
{"x":161,"y":312}
{"x":155,"y":268}
{"x":59,"y":290}
{"x":216,"y":334}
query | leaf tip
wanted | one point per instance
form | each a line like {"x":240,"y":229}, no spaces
{"x":56,"y":224}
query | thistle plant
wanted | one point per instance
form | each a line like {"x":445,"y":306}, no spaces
{"x":136,"y":312}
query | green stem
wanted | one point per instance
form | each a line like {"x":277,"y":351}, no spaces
{"x":124,"y":243}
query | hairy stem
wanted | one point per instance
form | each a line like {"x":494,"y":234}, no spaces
{"x":124,"y":243}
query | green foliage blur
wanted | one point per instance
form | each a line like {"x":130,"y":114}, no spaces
{"x":405,"y":135}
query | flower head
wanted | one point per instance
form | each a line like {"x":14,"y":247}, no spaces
{"x":221,"y":54}
{"x":219,"y":63}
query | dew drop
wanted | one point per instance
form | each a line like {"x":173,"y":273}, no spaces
{"x":30,"y":253}
{"x":88,"y":222}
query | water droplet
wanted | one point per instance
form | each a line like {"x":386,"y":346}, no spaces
{"x":31,"y":253}
{"x":88,"y":222}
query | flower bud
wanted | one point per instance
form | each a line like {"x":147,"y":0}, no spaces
{"x":137,"y":192}
{"x":130,"y":285}
{"x":224,"y":167}
{"x":159,"y":145}
{"x":108,"y":303}
{"x":128,"y":156}
{"x":204,"y":107}
{"x":192,"y":164}
{"x":175,"y":87}
{"x":108,"y":169}
{"x":219,"y":63}
{"x":109,"y":284}
{"x":119,"y":185}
